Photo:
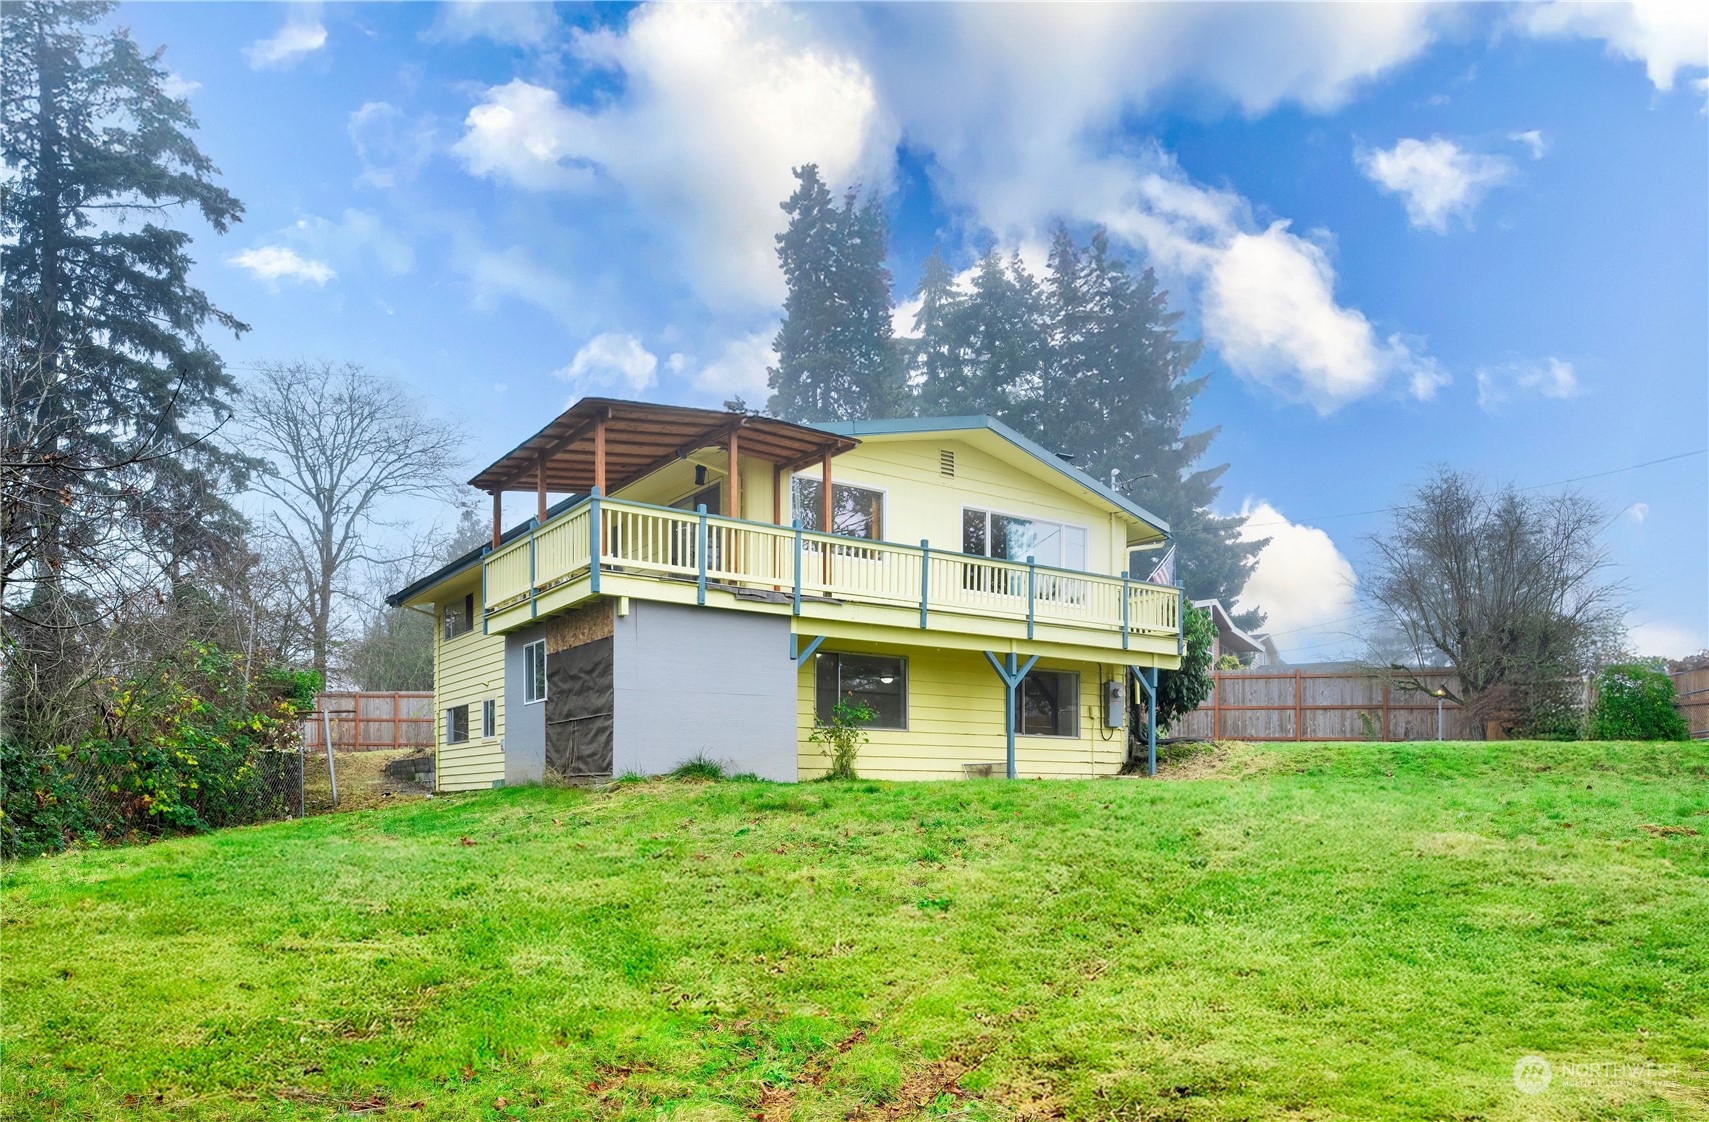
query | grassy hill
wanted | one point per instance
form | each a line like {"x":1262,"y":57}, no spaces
{"x":1309,"y":932}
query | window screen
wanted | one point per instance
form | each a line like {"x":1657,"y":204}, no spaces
{"x":534,"y":671}
{"x":879,"y":681}
{"x":489,"y":718}
{"x":457,"y":724}
{"x":1048,"y":704}
{"x":856,"y":512}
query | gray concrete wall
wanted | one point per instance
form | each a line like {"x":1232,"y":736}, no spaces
{"x":524,"y":725}
{"x":704,"y":680}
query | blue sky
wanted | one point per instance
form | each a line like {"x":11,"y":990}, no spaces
{"x":1475,"y":235}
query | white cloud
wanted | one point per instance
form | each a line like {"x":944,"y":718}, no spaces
{"x":718,"y":103}
{"x":514,"y":274}
{"x":274,"y":263}
{"x":740,"y":367}
{"x":1302,"y":581}
{"x":1663,"y":639}
{"x":1533,"y":140}
{"x":611,"y":361}
{"x":511,"y":23}
{"x":1667,"y":36}
{"x":288,"y":46}
{"x":391,"y":146}
{"x":356,"y":232}
{"x":176,"y":85}
{"x":1550,"y":378}
{"x":1436,"y":178}
{"x":1636,"y":513}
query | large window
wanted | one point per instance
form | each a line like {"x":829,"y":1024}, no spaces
{"x":457,"y":724}
{"x":534,"y":671}
{"x":1009,"y":537}
{"x":879,"y":681}
{"x":856,"y":512}
{"x":1048,"y":704}
{"x":459,"y":618}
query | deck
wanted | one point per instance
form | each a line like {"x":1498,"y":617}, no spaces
{"x":832,"y":584}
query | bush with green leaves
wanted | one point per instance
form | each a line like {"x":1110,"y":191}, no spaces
{"x":843,"y":735}
{"x":192,"y":744}
{"x":1635,"y":702}
{"x":1179,"y":692}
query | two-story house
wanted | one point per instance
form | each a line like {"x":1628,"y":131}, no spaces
{"x":714,"y":583}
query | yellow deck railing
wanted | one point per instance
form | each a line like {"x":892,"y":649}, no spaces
{"x":635,"y":539}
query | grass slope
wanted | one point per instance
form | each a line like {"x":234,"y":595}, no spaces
{"x":1341,"y":931}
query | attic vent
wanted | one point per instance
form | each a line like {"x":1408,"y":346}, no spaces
{"x":946,"y":462}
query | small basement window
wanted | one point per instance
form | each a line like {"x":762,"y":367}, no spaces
{"x":457,"y":724}
{"x":489,"y":718}
{"x":534,"y":671}
{"x":880,"y":681}
{"x":459,"y":618}
{"x":1048,"y":704}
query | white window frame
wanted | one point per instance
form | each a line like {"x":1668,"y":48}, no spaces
{"x":1060,"y":563}
{"x":883,"y":494}
{"x":451,"y":724}
{"x":489,"y":719}
{"x":533,"y":669}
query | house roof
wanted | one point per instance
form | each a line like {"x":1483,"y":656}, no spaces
{"x":639,"y":438}
{"x":1233,"y":638}
{"x":900,"y":426}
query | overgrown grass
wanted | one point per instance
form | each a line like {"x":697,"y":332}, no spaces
{"x":1339,"y":932}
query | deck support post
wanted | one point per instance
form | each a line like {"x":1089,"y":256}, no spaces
{"x":594,"y":541}
{"x":700,"y":554}
{"x":1012,"y":674}
{"x":540,"y":491}
{"x":498,"y":518}
{"x":799,"y":653}
{"x":733,"y":490}
{"x":599,"y":453}
{"x":1150,"y":686}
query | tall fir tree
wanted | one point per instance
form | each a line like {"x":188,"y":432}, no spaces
{"x":837,"y":356}
{"x":109,"y":387}
{"x":936,"y":359}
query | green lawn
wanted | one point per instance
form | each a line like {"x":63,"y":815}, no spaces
{"x":1311,"y":931}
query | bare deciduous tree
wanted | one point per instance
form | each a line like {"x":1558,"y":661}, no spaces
{"x":341,"y":446}
{"x":1510,"y":588}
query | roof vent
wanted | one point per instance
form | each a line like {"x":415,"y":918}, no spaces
{"x":946,"y":462}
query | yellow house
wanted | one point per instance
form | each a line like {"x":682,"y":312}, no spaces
{"x":714,"y":583}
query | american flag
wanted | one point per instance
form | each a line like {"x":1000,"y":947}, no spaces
{"x":1164,"y":573}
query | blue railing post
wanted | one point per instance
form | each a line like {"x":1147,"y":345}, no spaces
{"x":797,"y":525}
{"x":925,"y":578}
{"x":1180,"y":620}
{"x":533,"y":580}
{"x":1125,"y":598}
{"x":1032,"y":590}
{"x":700,"y":553}
{"x":595,"y":544}
{"x":486,"y":551}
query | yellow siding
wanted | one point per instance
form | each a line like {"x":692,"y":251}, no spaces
{"x":467,"y":671}
{"x":955,"y":717}
{"x":922,"y":503}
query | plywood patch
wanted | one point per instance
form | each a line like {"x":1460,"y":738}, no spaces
{"x":579,"y":626}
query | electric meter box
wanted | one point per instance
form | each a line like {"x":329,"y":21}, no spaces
{"x":1115,"y":705}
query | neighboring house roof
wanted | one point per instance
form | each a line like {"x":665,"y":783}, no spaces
{"x":902,"y":426}
{"x":1231,"y":637}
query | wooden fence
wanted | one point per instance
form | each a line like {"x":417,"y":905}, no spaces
{"x":1692,"y":686}
{"x":1281,"y":704}
{"x":372,"y":722}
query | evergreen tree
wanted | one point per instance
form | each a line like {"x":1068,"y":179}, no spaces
{"x":936,"y":361}
{"x":1003,"y":323}
{"x":837,"y":356}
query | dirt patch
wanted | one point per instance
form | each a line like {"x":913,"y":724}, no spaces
{"x":1210,"y":759}
{"x":1668,"y":831}
{"x":366,"y":779}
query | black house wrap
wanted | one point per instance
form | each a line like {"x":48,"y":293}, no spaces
{"x":579,"y":704}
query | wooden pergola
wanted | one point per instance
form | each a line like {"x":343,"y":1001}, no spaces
{"x":606,"y":444}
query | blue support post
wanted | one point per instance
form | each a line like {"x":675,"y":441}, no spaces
{"x":925,"y":578}
{"x":797,"y":525}
{"x":595,"y":543}
{"x":700,"y":553}
{"x":1180,"y":620}
{"x":485,"y":550}
{"x":1125,"y":599}
{"x":1012,"y":676}
{"x":795,"y":651}
{"x":1032,"y":588}
{"x":1150,"y":684}
{"x":533,"y":592}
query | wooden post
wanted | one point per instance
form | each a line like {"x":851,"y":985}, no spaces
{"x":599,"y":453}
{"x":1299,"y":708}
{"x":540,"y":491}
{"x":1388,"y":688}
{"x":1216,"y":706}
{"x":397,"y":719}
{"x":733,"y":484}
{"x":777,"y":494}
{"x":498,"y":517}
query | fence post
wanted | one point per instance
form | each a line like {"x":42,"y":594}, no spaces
{"x":1299,"y":709}
{"x":700,"y":553}
{"x":331,"y":768}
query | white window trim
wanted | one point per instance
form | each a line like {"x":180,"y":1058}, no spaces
{"x":528,"y":679}
{"x":988,"y":511}
{"x":489,"y":705}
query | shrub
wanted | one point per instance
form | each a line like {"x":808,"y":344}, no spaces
{"x":1635,"y":702}
{"x":843,"y":735}
{"x":1179,"y":692}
